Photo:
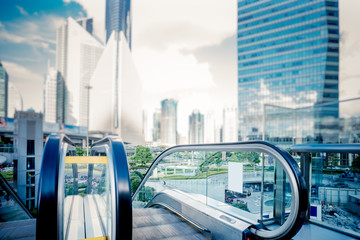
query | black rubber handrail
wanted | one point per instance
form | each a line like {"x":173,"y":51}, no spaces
{"x":9,"y":190}
{"x":48,"y":219}
{"x":121,"y":181}
{"x":294,"y":168}
{"x":328,"y":148}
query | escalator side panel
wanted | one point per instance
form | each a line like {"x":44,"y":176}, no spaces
{"x":123,"y":202}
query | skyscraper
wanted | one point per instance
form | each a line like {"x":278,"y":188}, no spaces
{"x":118,"y":18}
{"x":229,"y":130}
{"x":50,"y":90}
{"x":157,"y":126}
{"x":77,"y":54}
{"x":196,"y":128}
{"x":4,"y":79}
{"x":210,"y":128}
{"x":288,"y":58}
{"x":169,"y":122}
{"x":115,"y":102}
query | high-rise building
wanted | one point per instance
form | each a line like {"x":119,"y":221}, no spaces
{"x":157,"y":126}
{"x":77,"y":55}
{"x":196,"y":128}
{"x":50,"y":91}
{"x":115,"y":99}
{"x":4,"y":79}
{"x":15,"y":102}
{"x":210,"y":128}
{"x":169,"y":122}
{"x":288,"y":58}
{"x":230,"y":128}
{"x":118,"y":18}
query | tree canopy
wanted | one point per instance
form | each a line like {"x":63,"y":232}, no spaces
{"x":142,"y":155}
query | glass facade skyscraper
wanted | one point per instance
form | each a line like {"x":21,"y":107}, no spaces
{"x":169,"y":122}
{"x":118,"y":18}
{"x":288,"y":62}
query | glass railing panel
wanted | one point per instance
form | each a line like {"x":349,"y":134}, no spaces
{"x":87,"y":195}
{"x":335,"y":190}
{"x":250,"y":186}
{"x":10,"y":209}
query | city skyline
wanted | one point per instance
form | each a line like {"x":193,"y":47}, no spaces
{"x":190,"y":58}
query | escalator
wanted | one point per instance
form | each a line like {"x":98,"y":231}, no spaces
{"x":250,"y":190}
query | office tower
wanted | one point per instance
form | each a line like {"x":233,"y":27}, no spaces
{"x":15,"y":102}
{"x":77,"y":55}
{"x":196,"y":128}
{"x":4,"y":79}
{"x":146,"y":127}
{"x":168,"y":121}
{"x":50,"y":91}
{"x":229,"y":130}
{"x":116,"y":99}
{"x":288,"y":58}
{"x":118,"y":18}
{"x":157,"y":126}
{"x":210,"y":128}
{"x":27,"y":161}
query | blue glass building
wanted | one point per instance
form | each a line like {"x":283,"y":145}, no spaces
{"x":288,"y":65}
{"x":118,"y":18}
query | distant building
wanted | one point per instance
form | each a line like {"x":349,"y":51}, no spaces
{"x":210,"y":128}
{"x":118,"y":18}
{"x":28,"y":141}
{"x":169,"y":122}
{"x":288,"y":58}
{"x":230,"y":127}
{"x":77,"y":54}
{"x":196,"y":128}
{"x":146,"y":127}
{"x":157,"y":126}
{"x":15,"y":102}
{"x":50,"y":92}
{"x":4,"y":92}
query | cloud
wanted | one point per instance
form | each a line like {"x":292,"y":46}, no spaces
{"x":27,"y":82}
{"x":171,"y":70}
{"x":22,"y":10}
{"x":37,"y":32}
{"x":184,"y":24}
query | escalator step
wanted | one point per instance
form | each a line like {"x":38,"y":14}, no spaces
{"x":157,"y":223}
{"x":176,"y":230}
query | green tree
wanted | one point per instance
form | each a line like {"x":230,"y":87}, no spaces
{"x":142,"y":155}
{"x":79,"y":151}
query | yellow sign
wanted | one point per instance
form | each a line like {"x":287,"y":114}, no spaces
{"x":86,"y":159}
{"x":95,"y":238}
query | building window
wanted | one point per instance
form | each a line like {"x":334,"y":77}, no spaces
{"x":30,"y":177}
{"x":30,"y":163}
{"x":30,"y":147}
{"x":30,"y":192}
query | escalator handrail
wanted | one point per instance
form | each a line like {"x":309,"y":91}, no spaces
{"x":122,"y":222}
{"x":289,"y":165}
{"x":48,"y":216}
{"x":13,"y":194}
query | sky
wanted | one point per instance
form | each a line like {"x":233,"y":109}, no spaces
{"x":182,"y":49}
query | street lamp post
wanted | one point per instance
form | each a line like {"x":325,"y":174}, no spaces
{"x":88,"y":87}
